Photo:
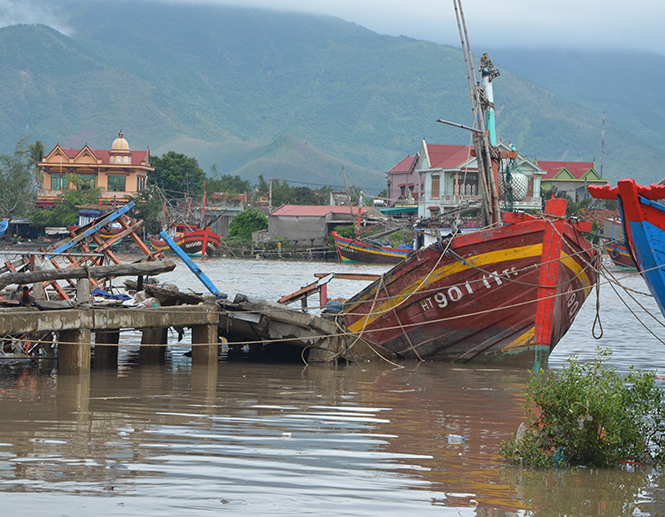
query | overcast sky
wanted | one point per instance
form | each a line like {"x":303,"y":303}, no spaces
{"x":569,"y":24}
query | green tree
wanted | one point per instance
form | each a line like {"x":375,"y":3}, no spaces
{"x":35,"y":154}
{"x":226,"y":183}
{"x":17,"y":186}
{"x":262,"y":187}
{"x":177,"y":175}
{"x":247,"y":222}
{"x":64,"y":211}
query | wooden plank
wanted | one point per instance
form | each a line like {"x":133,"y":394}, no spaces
{"x":147,"y":268}
{"x":301,"y":293}
{"x":350,"y":276}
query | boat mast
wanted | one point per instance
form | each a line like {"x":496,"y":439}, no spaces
{"x":481,"y":138}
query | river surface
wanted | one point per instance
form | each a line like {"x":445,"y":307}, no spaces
{"x":289,"y":439}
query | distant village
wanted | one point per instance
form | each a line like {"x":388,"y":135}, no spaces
{"x":435,"y":182}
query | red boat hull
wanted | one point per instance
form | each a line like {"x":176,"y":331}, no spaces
{"x":196,"y":243}
{"x":506,"y":294}
{"x":620,"y":256}
{"x":352,"y":250}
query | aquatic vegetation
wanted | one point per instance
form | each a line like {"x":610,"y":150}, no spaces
{"x":589,"y":414}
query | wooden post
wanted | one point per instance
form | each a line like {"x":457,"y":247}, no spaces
{"x":152,"y":337}
{"x":204,"y":344}
{"x":323,"y":296}
{"x":74,"y":352}
{"x":37,"y":287}
{"x":106,"y":348}
{"x":83,"y":291}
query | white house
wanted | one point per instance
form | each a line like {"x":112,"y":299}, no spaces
{"x":449,"y":175}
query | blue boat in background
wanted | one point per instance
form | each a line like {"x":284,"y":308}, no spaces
{"x":4,"y":224}
{"x":643,"y":219}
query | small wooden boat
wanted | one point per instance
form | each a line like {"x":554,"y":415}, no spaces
{"x":643,"y":220}
{"x":615,"y":246}
{"x":354,"y":250}
{"x":196,"y":242}
{"x":620,"y":256}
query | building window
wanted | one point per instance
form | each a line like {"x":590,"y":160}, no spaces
{"x":436,"y":186}
{"x":86,"y":181}
{"x":126,"y":159}
{"x":116,"y":183}
{"x":59,"y":182}
{"x":140,"y":183}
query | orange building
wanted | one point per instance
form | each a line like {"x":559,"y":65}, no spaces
{"x":119,"y":172}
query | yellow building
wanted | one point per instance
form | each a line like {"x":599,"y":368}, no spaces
{"x":119,"y":171}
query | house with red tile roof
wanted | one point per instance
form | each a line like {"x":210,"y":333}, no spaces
{"x":571,"y":178}
{"x":449,"y":178}
{"x":119,"y":171}
{"x":403,"y":181}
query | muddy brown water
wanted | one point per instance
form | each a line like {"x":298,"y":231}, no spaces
{"x":271,"y":438}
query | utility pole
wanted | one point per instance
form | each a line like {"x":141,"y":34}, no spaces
{"x":270,"y":197}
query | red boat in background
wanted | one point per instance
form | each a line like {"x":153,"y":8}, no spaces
{"x":196,"y":242}
{"x":354,"y":250}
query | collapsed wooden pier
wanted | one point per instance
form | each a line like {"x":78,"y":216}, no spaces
{"x":46,"y":313}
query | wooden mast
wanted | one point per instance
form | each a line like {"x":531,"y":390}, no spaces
{"x":481,"y":143}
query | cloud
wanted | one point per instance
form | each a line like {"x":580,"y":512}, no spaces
{"x":568,"y":24}
{"x":565,"y":24}
{"x":31,"y":13}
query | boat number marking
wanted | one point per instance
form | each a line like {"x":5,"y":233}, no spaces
{"x":456,"y":293}
{"x":572,"y":302}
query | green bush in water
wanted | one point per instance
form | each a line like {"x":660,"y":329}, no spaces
{"x":347,"y":231}
{"x":588,"y":414}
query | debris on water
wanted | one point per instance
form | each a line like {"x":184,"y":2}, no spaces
{"x":456,"y":439}
{"x":285,"y":436}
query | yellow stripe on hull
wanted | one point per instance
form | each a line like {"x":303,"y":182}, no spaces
{"x":492,"y":257}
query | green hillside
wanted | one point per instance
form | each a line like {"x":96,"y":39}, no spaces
{"x":280,"y":94}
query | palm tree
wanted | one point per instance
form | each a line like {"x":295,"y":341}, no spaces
{"x":35,"y":154}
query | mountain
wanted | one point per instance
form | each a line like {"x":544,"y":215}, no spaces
{"x":617,"y":83}
{"x":286,"y":95}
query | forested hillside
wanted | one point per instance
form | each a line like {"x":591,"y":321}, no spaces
{"x":279,"y":94}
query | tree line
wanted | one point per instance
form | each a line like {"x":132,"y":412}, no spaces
{"x":176,"y":176}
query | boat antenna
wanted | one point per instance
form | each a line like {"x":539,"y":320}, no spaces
{"x":602,"y":145}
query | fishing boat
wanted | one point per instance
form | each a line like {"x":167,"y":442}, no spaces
{"x":355,"y":250}
{"x":643,"y":219}
{"x":615,"y":246}
{"x":196,"y":242}
{"x":506,"y":293}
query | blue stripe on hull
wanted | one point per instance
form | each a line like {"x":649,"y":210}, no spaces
{"x":649,"y":244}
